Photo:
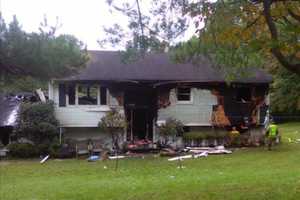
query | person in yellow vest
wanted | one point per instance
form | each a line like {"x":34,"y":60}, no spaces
{"x":234,"y":135}
{"x":271,"y":134}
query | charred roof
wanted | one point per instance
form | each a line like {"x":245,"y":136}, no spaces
{"x":157,"y":67}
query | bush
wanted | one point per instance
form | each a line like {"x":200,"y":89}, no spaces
{"x":38,"y":122}
{"x":221,"y":134}
{"x":172,"y":127}
{"x":61,"y":151}
{"x":113,"y":123}
{"x":24,"y":150}
{"x":195,"y":135}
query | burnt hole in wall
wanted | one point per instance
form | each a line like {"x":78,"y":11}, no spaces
{"x":243,"y":94}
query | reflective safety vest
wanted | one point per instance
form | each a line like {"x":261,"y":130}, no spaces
{"x":273,"y":129}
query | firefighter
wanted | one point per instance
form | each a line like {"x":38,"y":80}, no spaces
{"x":271,"y":134}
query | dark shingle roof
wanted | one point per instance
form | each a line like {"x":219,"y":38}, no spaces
{"x":108,"y":66}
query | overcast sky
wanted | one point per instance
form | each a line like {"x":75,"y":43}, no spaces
{"x":82,"y":18}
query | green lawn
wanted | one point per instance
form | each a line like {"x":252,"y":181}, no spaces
{"x":252,"y":173}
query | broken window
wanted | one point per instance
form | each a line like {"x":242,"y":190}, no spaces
{"x":71,"y":94}
{"x":243,"y":94}
{"x":183,"y":94}
{"x":87,"y":94}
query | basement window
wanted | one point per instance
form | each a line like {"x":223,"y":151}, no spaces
{"x":87,"y":94}
{"x":243,"y":94}
{"x":184,"y":95}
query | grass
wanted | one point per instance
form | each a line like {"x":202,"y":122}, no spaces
{"x":252,"y":173}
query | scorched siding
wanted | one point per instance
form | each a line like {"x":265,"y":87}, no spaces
{"x":196,"y":113}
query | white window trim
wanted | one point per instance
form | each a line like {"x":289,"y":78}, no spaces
{"x":191,"y":101}
{"x":77,"y":100}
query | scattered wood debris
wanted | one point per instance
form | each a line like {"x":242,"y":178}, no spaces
{"x":116,"y":157}
{"x":44,"y":159}
{"x":168,"y":152}
{"x":198,"y":152}
{"x":210,"y":150}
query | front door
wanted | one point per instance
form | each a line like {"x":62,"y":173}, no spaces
{"x":140,"y":109}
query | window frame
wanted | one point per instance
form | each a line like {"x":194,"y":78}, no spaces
{"x":184,"y":101}
{"x":87,"y":105}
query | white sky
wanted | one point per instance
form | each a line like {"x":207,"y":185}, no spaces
{"x":82,"y":18}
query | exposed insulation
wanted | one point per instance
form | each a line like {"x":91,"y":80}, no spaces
{"x":164,"y":99}
{"x":118,"y":95}
{"x":219,"y":118}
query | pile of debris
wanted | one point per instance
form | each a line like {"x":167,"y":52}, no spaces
{"x":197,"y":152}
{"x":141,"y":146}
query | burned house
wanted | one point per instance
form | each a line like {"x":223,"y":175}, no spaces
{"x":9,"y":109}
{"x":152,"y":89}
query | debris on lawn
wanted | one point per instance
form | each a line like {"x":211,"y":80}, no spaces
{"x":44,"y":159}
{"x":116,"y":157}
{"x":198,"y":152}
{"x":180,"y":158}
{"x":209,"y":150}
{"x":93,"y":158}
{"x":168,"y":152}
{"x":3,"y":152}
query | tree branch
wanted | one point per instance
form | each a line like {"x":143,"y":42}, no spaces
{"x":140,"y":22}
{"x":295,"y":68}
{"x":294,"y":15}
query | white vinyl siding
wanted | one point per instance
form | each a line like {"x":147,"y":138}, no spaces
{"x":80,"y":115}
{"x":196,"y":113}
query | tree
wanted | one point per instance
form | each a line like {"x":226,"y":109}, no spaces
{"x":152,"y":29}
{"x":113,"y":123}
{"x":42,"y":55}
{"x":37,"y":122}
{"x":242,"y":33}
{"x":171,"y":128}
{"x":234,"y":33}
{"x":285,"y":94}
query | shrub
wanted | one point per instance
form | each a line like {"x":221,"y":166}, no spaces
{"x":172,"y":127}
{"x":195,"y":135}
{"x":61,"y":151}
{"x":221,"y":134}
{"x":113,"y":123}
{"x":200,"y":135}
{"x":38,"y":122}
{"x":23,"y":150}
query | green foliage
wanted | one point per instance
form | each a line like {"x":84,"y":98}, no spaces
{"x":23,"y":150}
{"x":247,"y":173}
{"x":15,"y":84}
{"x":151,"y":28}
{"x":38,"y":122}
{"x":237,"y":34}
{"x":113,"y":123}
{"x":172,"y":127}
{"x":285,"y":93}
{"x":195,"y":135}
{"x":41,"y":55}
{"x":199,"y":135}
